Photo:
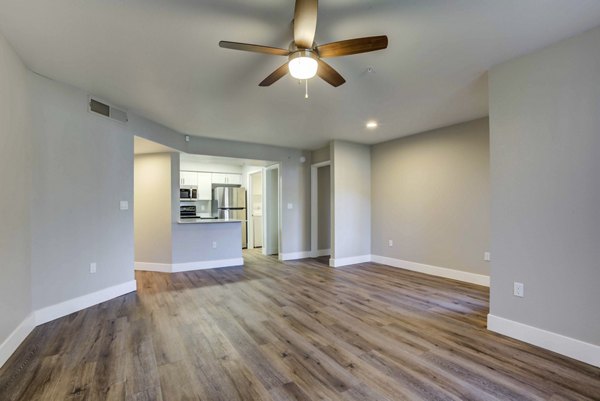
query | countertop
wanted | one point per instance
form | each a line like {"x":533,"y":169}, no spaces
{"x":207,"y":221}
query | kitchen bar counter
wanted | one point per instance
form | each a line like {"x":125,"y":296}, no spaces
{"x":206,"y":243}
{"x":207,"y":221}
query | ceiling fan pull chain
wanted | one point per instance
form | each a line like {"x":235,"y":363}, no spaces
{"x":306,"y":91}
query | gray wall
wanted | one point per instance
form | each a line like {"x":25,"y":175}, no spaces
{"x":351,"y":180}
{"x":152,"y":208}
{"x":82,"y":168}
{"x":545,"y":142}
{"x":295,"y":175}
{"x":321,"y":155}
{"x":15,"y":181}
{"x":324,"y":207}
{"x":431,"y":196}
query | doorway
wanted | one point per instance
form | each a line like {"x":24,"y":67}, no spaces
{"x":321,"y":209}
{"x":271,"y":211}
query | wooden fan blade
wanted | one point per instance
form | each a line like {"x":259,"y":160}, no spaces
{"x":275,"y":51}
{"x":352,"y":46}
{"x":305,"y":23}
{"x":329,"y":75}
{"x":275,"y":75}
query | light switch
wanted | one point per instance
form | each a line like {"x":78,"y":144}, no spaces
{"x":290,"y":206}
{"x":124,"y":205}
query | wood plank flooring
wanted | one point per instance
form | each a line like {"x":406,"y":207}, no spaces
{"x":289,"y":331}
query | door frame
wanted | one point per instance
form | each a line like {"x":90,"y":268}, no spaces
{"x":314,"y":208}
{"x":250,"y":192}
{"x":266,"y":207}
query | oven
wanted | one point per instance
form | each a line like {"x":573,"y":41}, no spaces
{"x":187,"y":212}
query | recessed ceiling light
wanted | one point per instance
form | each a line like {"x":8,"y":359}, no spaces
{"x":372,"y":124}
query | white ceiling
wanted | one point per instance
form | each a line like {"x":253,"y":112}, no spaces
{"x":143,"y":146}
{"x":160,"y":58}
{"x":203,"y":159}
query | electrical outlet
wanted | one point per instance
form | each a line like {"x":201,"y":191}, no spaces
{"x":124,"y":205}
{"x":519,"y":289}
{"x":214,"y":244}
{"x":390,"y":242}
{"x":487,"y":256}
{"x":290,"y":206}
{"x":92,"y":267}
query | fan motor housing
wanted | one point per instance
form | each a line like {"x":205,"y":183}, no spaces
{"x":303,"y":53}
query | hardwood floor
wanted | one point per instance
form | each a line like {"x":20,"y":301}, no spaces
{"x":289,"y":331}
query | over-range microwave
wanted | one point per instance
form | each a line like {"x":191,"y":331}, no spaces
{"x":188,"y":193}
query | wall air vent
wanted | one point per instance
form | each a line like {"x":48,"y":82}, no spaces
{"x":98,"y":107}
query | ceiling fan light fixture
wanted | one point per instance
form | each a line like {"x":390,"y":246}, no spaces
{"x":303,"y":64}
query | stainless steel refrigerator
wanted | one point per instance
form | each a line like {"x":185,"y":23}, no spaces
{"x":231,"y":204}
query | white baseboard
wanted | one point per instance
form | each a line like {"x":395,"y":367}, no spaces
{"x":15,"y":338}
{"x":295,"y":255}
{"x":576,"y":349}
{"x":153,"y":267}
{"x":52,"y":312}
{"x":304,"y":254}
{"x":321,"y":252}
{"x":459,"y":275}
{"x":338,"y":262}
{"x":188,"y":266}
{"x":206,"y":264}
{"x":65,"y":308}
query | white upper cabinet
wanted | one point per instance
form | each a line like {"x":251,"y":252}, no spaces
{"x":204,"y":186}
{"x":219,"y":178}
{"x":188,"y":178}
{"x":203,"y":181}
{"x":223,"y":178}
{"x":234,"y":179}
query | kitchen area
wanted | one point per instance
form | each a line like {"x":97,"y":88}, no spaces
{"x":221,"y":199}
{"x":215,"y":190}
{"x":195,"y":212}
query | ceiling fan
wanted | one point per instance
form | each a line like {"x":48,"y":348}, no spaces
{"x":304,"y":56}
